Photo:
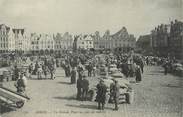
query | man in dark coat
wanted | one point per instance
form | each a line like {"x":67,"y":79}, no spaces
{"x":35,"y":68}
{"x":16,"y":73}
{"x":30,"y":68}
{"x":147,"y":61}
{"x":85,"y":88}
{"x":101,"y":94}
{"x":125,"y":69}
{"x":80,"y":69}
{"x":57,"y":62}
{"x":52,"y":71}
{"x":114,"y":90}
{"x":73,"y":76}
{"x":21,"y":83}
{"x":44,"y":68}
{"x":166,"y":68}
{"x":141,"y":65}
{"x":67,"y":70}
{"x":90,"y":68}
{"x":79,"y":88}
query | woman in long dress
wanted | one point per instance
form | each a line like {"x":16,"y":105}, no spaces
{"x":138,"y":74}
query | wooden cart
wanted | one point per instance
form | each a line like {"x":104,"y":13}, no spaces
{"x":12,"y":98}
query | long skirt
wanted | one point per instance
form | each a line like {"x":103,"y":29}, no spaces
{"x":73,"y":79}
{"x":138,"y":77}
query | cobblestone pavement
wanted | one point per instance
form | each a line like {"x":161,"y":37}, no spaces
{"x":156,"y":96}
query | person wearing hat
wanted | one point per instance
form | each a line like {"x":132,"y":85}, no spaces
{"x":101,"y":94}
{"x":80,"y":69}
{"x":166,"y":68}
{"x":30,"y":70}
{"x":35,"y":68}
{"x":85,"y":87}
{"x":21,"y":83}
{"x":79,"y":87}
{"x":52,"y":70}
{"x":114,"y":90}
{"x":90,"y":68}
{"x":73,"y":76}
{"x":39,"y":72}
{"x":16,"y":73}
{"x":138,"y":74}
{"x":67,"y":69}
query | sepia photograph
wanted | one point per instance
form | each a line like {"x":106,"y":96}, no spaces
{"x":91,"y":58}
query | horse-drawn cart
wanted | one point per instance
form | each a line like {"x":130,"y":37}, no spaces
{"x":11,"y":98}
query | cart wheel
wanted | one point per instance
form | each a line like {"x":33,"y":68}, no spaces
{"x":20,"y":104}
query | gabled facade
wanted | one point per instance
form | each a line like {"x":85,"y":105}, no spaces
{"x":4,"y":34}
{"x":120,"y":39}
{"x":85,"y":42}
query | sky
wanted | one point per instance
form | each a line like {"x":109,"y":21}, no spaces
{"x":88,"y":16}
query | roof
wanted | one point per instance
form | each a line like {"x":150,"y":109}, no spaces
{"x":121,"y":34}
{"x":5,"y":26}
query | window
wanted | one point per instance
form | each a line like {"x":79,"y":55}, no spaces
{"x":82,"y":42}
{"x":90,"y":42}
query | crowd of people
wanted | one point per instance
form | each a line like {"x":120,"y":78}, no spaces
{"x":39,"y":67}
{"x":78,"y":67}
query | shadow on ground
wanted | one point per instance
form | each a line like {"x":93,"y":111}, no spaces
{"x":93,"y":107}
{"x":6,"y":109}
{"x":171,"y":86}
{"x":156,"y":71}
{"x":40,"y":79}
{"x":132,"y":81}
{"x":155,"y":74}
{"x":60,"y":76}
{"x":66,"y":98}
{"x":68,"y":83}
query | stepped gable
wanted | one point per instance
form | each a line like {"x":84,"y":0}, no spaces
{"x":121,"y":34}
{"x":7,"y":28}
{"x":106,"y":34}
{"x":18,"y":31}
